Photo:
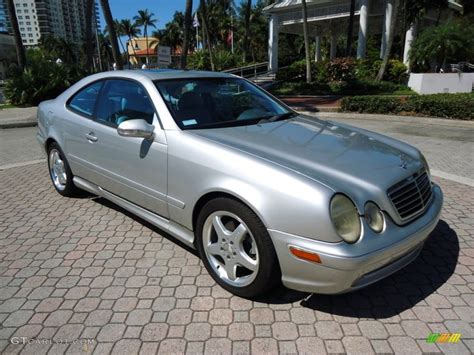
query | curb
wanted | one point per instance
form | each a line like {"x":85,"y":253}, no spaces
{"x":20,"y":123}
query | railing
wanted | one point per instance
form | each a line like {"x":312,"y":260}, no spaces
{"x":249,"y":71}
{"x":463,"y":67}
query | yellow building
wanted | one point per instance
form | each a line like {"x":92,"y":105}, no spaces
{"x":137,"y":50}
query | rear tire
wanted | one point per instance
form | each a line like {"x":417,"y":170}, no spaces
{"x":236,"y":248}
{"x":60,"y":172}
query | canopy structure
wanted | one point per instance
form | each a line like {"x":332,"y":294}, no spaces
{"x":330,"y":18}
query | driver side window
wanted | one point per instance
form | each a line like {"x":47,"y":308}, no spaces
{"x":123,"y":100}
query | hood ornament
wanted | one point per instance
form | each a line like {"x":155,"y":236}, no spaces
{"x":403,"y":162}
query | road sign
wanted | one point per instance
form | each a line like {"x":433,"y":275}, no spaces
{"x":164,"y":55}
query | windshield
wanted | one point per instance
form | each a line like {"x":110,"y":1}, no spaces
{"x":218,"y":102}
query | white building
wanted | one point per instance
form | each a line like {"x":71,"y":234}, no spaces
{"x":330,"y":18}
{"x":36,"y":18}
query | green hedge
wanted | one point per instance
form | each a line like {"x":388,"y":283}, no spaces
{"x":458,"y":106}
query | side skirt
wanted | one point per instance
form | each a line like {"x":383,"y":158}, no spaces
{"x":179,"y":232}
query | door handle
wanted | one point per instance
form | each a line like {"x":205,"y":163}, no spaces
{"x":91,"y":137}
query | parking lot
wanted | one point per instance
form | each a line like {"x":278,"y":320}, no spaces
{"x":84,"y":269}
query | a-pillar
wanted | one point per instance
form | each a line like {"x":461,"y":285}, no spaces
{"x":317,"y":55}
{"x":409,"y":38}
{"x":273,"y":44}
{"x":363,"y":24}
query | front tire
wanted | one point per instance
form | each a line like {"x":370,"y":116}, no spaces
{"x":60,"y":172}
{"x":236,"y":249}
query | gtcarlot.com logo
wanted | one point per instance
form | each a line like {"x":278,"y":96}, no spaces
{"x":443,"y":338}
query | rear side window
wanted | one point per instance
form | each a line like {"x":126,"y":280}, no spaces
{"x":83,"y":102}
{"x":123,"y":100}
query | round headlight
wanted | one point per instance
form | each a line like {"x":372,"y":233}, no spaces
{"x":345,"y":218}
{"x":374,"y":217}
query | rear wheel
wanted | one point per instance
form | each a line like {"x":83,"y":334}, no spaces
{"x":236,"y":248}
{"x":60,"y":172}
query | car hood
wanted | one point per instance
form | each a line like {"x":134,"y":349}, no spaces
{"x":340,"y":156}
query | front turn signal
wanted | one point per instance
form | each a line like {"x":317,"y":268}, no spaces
{"x":305,"y":255}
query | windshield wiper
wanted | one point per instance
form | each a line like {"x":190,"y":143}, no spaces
{"x":282,"y":116}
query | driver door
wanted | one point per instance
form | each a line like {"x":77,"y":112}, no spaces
{"x":132,"y":168}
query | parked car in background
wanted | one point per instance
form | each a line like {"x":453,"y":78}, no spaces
{"x":264,"y":194}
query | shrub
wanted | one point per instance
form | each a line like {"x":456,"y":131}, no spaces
{"x":293,"y":72}
{"x":341,"y":69}
{"x":199,"y":60}
{"x":397,"y":71}
{"x":41,"y":80}
{"x":459,"y":106}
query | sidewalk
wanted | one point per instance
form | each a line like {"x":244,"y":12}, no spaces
{"x":18,"y":117}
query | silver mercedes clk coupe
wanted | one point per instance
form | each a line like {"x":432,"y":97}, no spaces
{"x":264,"y":194}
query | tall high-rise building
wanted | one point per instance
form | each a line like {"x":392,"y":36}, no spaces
{"x":60,"y":18}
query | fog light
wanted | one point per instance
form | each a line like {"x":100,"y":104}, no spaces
{"x":305,"y":255}
{"x":374,"y":217}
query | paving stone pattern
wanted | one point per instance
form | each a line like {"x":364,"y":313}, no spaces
{"x":85,"y":269}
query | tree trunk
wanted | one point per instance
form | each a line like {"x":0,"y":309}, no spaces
{"x":306,"y":42}
{"x":20,"y":50}
{"x":248,"y":10}
{"x":187,"y":33}
{"x":391,"y":34}
{"x":130,"y":43}
{"x":88,"y":36}
{"x":350,"y":29}
{"x":206,"y":32}
{"x":146,"y":42}
{"x":112,"y":33}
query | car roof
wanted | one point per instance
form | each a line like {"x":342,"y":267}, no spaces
{"x":163,"y":74}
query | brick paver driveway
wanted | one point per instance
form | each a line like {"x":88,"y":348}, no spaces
{"x":84,"y":268}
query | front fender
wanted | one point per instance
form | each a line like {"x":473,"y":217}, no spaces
{"x":283,"y":199}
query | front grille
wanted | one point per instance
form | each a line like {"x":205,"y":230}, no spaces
{"x":411,"y":196}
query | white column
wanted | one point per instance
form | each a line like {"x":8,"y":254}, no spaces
{"x":333,"y":48}
{"x":273,"y":43}
{"x":317,"y":55}
{"x":386,"y":25}
{"x":409,"y":38}
{"x":363,"y":23}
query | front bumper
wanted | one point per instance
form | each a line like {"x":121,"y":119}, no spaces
{"x":346,"y":267}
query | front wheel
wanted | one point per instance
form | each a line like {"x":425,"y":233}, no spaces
{"x":236,"y":248}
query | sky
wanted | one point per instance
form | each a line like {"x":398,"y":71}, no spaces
{"x":163,"y":9}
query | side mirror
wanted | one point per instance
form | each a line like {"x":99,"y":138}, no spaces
{"x":136,"y":128}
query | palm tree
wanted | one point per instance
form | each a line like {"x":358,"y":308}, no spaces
{"x":350,"y":29}
{"x":306,"y":42}
{"x":112,"y":33}
{"x":390,"y":35}
{"x":187,"y":33}
{"x":20,"y":50}
{"x":120,"y":33}
{"x":145,"y":19}
{"x":88,"y":35}
{"x":203,"y":8}
{"x":248,"y":10}
{"x":130,"y":30}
